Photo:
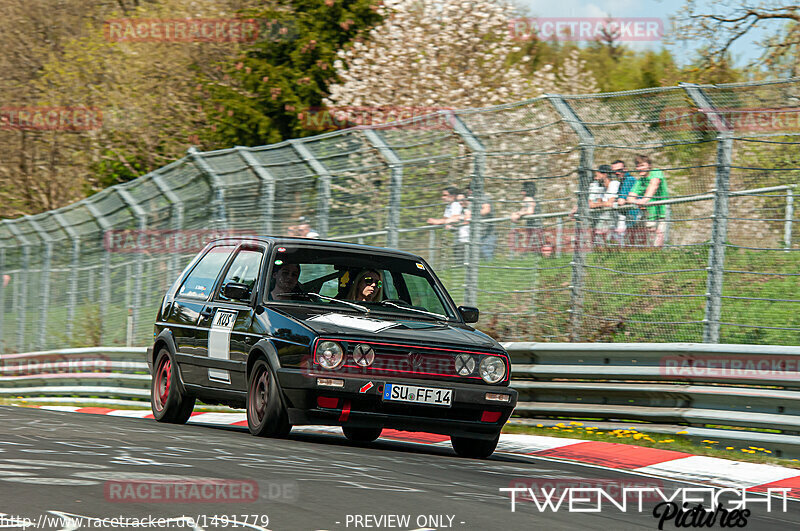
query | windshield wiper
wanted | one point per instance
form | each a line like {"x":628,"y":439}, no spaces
{"x":395,"y":305}
{"x":351,"y":304}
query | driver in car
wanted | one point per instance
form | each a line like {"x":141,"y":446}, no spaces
{"x":284,"y":282}
{"x":367,"y":287}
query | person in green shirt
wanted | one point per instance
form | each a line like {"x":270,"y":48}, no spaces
{"x":651,"y":185}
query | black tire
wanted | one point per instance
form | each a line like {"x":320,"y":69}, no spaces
{"x":266,"y":413}
{"x":361,"y":435}
{"x":474,"y":448}
{"x":167,"y":399}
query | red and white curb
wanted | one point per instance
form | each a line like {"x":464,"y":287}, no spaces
{"x":667,"y":464}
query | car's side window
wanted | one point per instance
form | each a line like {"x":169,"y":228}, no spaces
{"x":200,"y":281}
{"x":244,"y":269}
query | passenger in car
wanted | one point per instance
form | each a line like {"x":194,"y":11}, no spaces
{"x":284,"y":282}
{"x":367,"y":287}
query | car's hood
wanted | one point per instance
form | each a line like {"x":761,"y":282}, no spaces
{"x":385,"y":327}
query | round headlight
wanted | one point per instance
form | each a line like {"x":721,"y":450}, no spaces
{"x":330,"y":354}
{"x":465,"y":364}
{"x":493,"y":369}
{"x":363,"y":355}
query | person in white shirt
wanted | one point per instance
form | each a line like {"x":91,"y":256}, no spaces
{"x":602,"y":195}
{"x":451,"y":212}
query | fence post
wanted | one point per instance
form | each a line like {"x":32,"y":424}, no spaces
{"x":476,"y":227}
{"x":177,"y":220}
{"x":22,"y":281}
{"x":323,"y":186}
{"x":266,"y":200}
{"x":141,"y":215}
{"x":586,"y":144}
{"x":719,"y":223}
{"x":395,"y":185}
{"x":105,"y":300}
{"x":45,"y":280}
{"x":787,"y":228}
{"x":218,"y":203}
{"x":73,"y":278}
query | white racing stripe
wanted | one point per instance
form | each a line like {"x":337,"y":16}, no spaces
{"x":219,"y":343}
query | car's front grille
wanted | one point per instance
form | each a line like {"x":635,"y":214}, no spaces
{"x":406,"y":361}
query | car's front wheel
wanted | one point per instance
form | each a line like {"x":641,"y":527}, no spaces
{"x":361,"y":435}
{"x":474,"y":448}
{"x":169,"y":404}
{"x":266,"y":414}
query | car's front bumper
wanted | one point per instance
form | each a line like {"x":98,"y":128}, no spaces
{"x":469,"y":415}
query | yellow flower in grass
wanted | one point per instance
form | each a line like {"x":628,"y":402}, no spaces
{"x":729,"y":448}
{"x":577,"y":423}
{"x":681,"y":432}
{"x":637,"y":436}
{"x":667,"y":440}
{"x":768,"y":451}
{"x":561,"y":425}
{"x":539,"y":425}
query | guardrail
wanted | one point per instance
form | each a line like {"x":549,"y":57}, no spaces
{"x":738,"y":395}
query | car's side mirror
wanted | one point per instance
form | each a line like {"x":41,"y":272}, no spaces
{"x":236,"y":291}
{"x":469,"y":313}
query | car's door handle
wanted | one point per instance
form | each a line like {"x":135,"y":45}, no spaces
{"x":207,"y":311}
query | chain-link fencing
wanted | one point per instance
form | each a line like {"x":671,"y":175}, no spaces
{"x":710,"y":255}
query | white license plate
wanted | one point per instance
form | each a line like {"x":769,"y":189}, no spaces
{"x":418,"y":395}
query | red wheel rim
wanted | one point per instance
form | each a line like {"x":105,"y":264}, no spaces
{"x":162,"y":383}
{"x":258,"y":396}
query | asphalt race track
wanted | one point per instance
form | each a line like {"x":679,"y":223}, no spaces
{"x":55,"y":466}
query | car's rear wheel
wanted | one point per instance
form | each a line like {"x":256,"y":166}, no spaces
{"x":266,"y":414}
{"x":361,"y":435}
{"x":474,"y":448}
{"x":168,"y":402}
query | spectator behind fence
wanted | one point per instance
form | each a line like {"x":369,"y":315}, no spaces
{"x":626,"y":218}
{"x":604,"y":198}
{"x":651,"y":185}
{"x":302,"y":229}
{"x":451,"y":211}
{"x":533,"y":233}
{"x":488,"y":239}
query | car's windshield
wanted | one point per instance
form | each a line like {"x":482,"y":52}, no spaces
{"x":355,"y":280}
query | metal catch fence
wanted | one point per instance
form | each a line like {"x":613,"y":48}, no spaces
{"x":712,"y":258}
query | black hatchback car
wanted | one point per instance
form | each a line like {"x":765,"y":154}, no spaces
{"x":301,"y":331}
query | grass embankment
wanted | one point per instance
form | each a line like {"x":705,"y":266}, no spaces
{"x":647,"y":295}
